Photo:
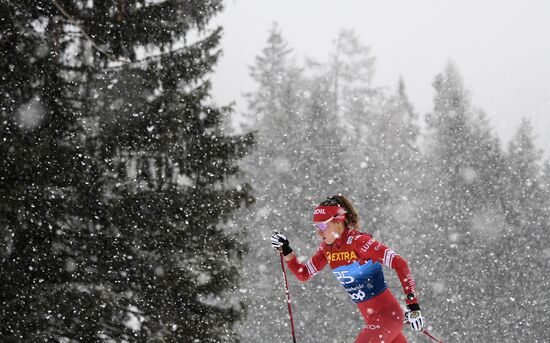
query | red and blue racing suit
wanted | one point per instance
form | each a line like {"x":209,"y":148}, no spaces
{"x":356,"y":260}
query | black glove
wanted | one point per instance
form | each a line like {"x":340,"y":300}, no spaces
{"x":414,"y":317}
{"x":278,"y":240}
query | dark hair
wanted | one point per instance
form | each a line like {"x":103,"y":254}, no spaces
{"x":352,"y":219}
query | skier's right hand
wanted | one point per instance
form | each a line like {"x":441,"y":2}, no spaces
{"x":279,"y":241}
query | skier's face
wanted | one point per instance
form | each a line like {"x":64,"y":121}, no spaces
{"x":333,"y":231}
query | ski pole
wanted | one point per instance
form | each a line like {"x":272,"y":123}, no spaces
{"x":426,"y":332}
{"x":429,"y":334}
{"x":287,"y":297}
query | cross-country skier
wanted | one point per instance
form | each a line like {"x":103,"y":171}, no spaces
{"x":356,"y":260}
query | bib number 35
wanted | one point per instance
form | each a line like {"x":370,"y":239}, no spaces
{"x":343,"y":277}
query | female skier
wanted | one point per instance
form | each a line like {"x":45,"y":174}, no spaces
{"x":356,"y":260}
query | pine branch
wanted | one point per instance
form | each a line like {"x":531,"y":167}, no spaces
{"x":97,"y":47}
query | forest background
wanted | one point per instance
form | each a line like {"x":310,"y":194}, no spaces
{"x":126,"y":192}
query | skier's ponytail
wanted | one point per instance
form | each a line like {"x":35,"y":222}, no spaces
{"x":352,"y":219}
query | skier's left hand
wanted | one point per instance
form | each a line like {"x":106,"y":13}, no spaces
{"x":414,"y":317}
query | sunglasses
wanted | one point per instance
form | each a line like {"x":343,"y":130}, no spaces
{"x":322,"y":226}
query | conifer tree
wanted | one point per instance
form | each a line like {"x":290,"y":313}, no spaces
{"x":524,"y":161}
{"x":527,"y":220}
{"x":392,"y":158}
{"x":273,"y":111}
{"x":460,"y":147}
{"x":50,"y":183}
{"x":297,"y":163}
{"x":114,"y":198}
{"x":463,"y":184}
{"x":363,"y":110}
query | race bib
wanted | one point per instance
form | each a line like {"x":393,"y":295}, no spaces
{"x":361,"y":281}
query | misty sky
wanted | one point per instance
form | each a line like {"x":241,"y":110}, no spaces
{"x":502,"y":49}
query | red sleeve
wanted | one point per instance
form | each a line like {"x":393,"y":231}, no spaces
{"x":368,"y":248}
{"x":304,"y":272}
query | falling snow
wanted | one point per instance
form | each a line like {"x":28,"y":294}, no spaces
{"x":133,"y":210}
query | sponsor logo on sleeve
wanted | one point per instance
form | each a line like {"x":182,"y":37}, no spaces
{"x":367,"y":245}
{"x":410,"y":281}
